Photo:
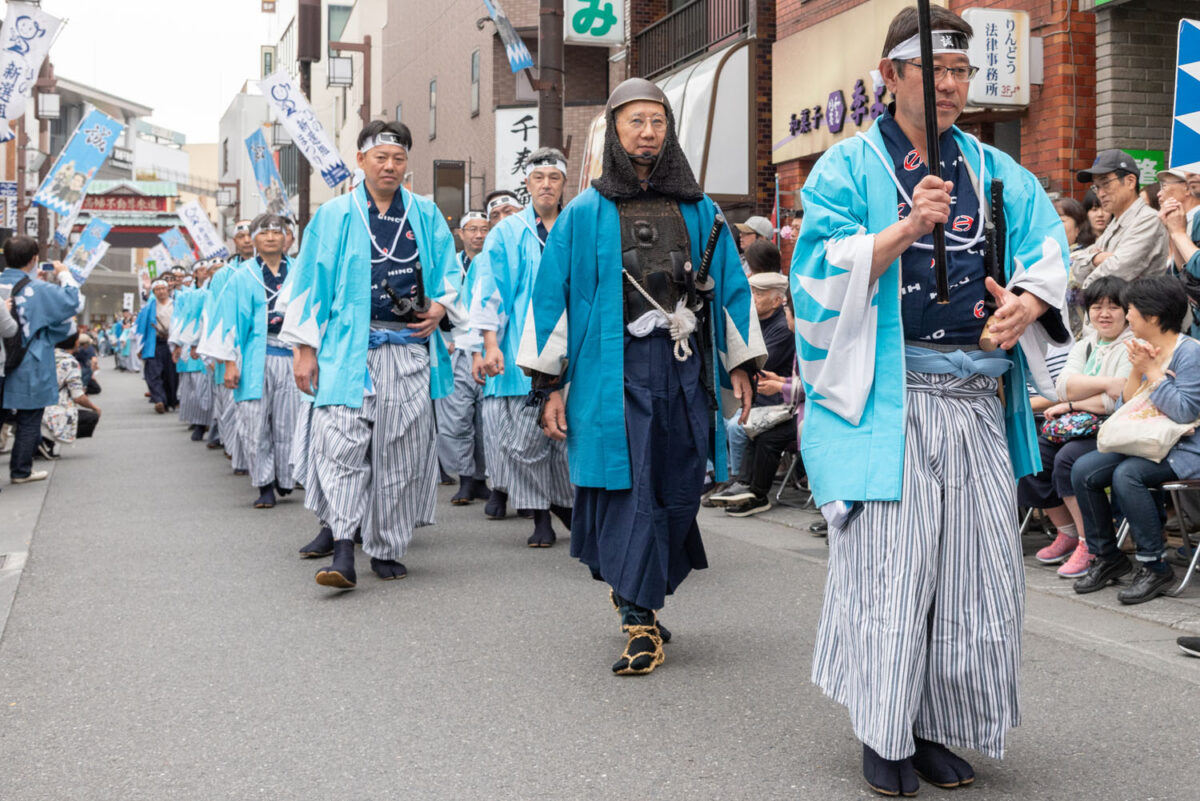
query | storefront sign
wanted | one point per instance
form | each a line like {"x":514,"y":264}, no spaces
{"x":1000,"y":48}
{"x":8,"y":204}
{"x":594,"y":22}
{"x":129,"y":203}
{"x":821,"y":78}
{"x":1185,"y":130}
{"x":1149,"y":163}
{"x":516,"y":139}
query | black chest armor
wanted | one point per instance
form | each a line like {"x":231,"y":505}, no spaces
{"x":654,"y":252}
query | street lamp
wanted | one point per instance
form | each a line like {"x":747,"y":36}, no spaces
{"x":340,"y":71}
{"x":365,"y":49}
{"x":49,"y":105}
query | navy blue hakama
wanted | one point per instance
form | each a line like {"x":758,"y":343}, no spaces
{"x":644,"y":541}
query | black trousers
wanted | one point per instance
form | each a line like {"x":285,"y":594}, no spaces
{"x":27,"y":432}
{"x":161,"y":378}
{"x":761,"y":458}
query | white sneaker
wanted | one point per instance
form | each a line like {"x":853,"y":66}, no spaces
{"x":36,"y":475}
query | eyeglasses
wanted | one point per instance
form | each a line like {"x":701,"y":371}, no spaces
{"x":961,"y":74}
{"x":1099,"y":186}
{"x":657,"y":123}
{"x":475,"y":230}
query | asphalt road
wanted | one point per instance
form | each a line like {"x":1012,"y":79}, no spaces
{"x":167,"y":643}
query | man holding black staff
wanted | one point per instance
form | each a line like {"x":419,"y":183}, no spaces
{"x":639,"y":312}
{"x":920,"y":632}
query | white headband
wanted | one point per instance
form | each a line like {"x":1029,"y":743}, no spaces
{"x":383,"y":138}
{"x":943,"y":42}
{"x":268,"y":226}
{"x":241,"y":228}
{"x":157,"y":282}
{"x":501,"y":201}
{"x":471,"y":215}
{"x":557,"y":164}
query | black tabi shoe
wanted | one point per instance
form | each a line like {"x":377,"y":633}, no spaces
{"x":525,"y":514}
{"x":1103,"y":572}
{"x":282,"y":492}
{"x":481,"y":491}
{"x":198,"y":433}
{"x":214,"y":445}
{"x":890,"y":777}
{"x":266,"y":498}
{"x":322,"y":545}
{"x":642,"y":654}
{"x":543,"y":531}
{"x":1148,"y":584}
{"x":444,"y":478}
{"x":237,"y":472}
{"x":941,"y":767}
{"x":358,"y":536}
{"x":497,"y":506}
{"x":388,"y":569}
{"x":466,"y":491}
{"x":340,"y":575}
{"x":563,"y":513}
{"x":663,"y":631}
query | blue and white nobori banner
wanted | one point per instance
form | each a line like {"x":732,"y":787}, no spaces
{"x":91,"y":144}
{"x":201,"y":228}
{"x":88,"y":251}
{"x":514,"y":47}
{"x":65,"y":223}
{"x":293,"y":109}
{"x":266,"y":175}
{"x":26,"y":38}
{"x":1185,"y":131}
{"x":178,"y":248}
{"x":159,"y":260}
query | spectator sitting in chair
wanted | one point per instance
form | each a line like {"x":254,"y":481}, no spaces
{"x":1168,"y":363}
{"x":770,"y":300}
{"x":62,"y":421}
{"x":1095,"y":374}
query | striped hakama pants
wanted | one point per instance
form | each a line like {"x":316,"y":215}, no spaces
{"x":376,"y":466}
{"x":920,"y":630}
{"x":522,"y":461}
{"x":302,"y":443}
{"x":460,"y":422}
{"x":266,"y":425}
{"x":225,"y":411}
{"x":195,"y":398}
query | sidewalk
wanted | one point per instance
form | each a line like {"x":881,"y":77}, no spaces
{"x":20,"y":508}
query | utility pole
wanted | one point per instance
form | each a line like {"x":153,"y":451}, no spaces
{"x":303,"y":168}
{"x":550,"y":73}
{"x":308,"y":50}
{"x":45,"y":83}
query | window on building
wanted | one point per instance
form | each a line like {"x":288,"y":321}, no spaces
{"x":399,"y":108}
{"x":475,"y":84}
{"x":268,"y":60}
{"x":433,"y":109}
{"x":335,"y":23}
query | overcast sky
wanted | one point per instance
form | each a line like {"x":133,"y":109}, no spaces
{"x":183,"y":58}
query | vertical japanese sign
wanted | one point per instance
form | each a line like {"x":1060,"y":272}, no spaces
{"x":88,"y":251}
{"x":1185,"y":130}
{"x":201,"y":228}
{"x":28,"y":32}
{"x":294,"y":111}
{"x":266,"y":175}
{"x":1000,"y":48}
{"x":8,"y":209}
{"x":178,"y":249}
{"x":594,"y":22}
{"x":514,"y":47}
{"x":516,"y":139}
{"x":66,"y":184}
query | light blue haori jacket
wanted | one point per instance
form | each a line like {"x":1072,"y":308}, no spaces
{"x":144,"y":328}
{"x":502,"y":278}
{"x":185,"y":326}
{"x":576,"y":328}
{"x":213,"y":329}
{"x":849,"y":334}
{"x":47,"y":315}
{"x":460,"y":335}
{"x":327,"y":294}
{"x":242,"y":316}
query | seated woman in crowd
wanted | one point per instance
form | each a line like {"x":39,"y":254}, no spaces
{"x":1169,"y":363}
{"x":1090,"y":383}
{"x":62,"y":422}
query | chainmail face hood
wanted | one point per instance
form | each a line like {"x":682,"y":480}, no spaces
{"x":671,"y":175}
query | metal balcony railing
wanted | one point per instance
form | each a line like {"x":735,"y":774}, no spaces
{"x":687,"y":32}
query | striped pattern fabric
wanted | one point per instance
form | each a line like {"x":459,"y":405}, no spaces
{"x":195,"y":398}
{"x":522,"y":461}
{"x":376,"y":466}
{"x":302,"y":444}
{"x":225,"y":412}
{"x":920,"y":630}
{"x":266,"y":425}
{"x":460,"y":422}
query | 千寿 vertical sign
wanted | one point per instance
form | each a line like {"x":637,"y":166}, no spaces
{"x":1000,"y":49}
{"x":516,"y":139}
{"x":594,"y":22}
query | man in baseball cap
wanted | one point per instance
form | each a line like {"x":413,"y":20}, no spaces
{"x":754,"y":229}
{"x":1134,"y":245}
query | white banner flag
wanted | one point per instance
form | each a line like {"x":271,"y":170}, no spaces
{"x":293,"y":109}
{"x":28,"y":32}
{"x":159,"y":260}
{"x":201,"y":228}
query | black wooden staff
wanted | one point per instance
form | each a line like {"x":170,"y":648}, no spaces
{"x":933,"y":156}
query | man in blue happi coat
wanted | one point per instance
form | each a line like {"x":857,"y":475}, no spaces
{"x":152,"y":329}
{"x":364,"y":300}
{"x":647,"y":356}
{"x":195,"y":388}
{"x":224,"y":407}
{"x":910,"y":449}
{"x":46,"y":314}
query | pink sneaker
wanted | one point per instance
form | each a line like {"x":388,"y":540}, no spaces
{"x":1078,"y":564}
{"x":1057,"y":552}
